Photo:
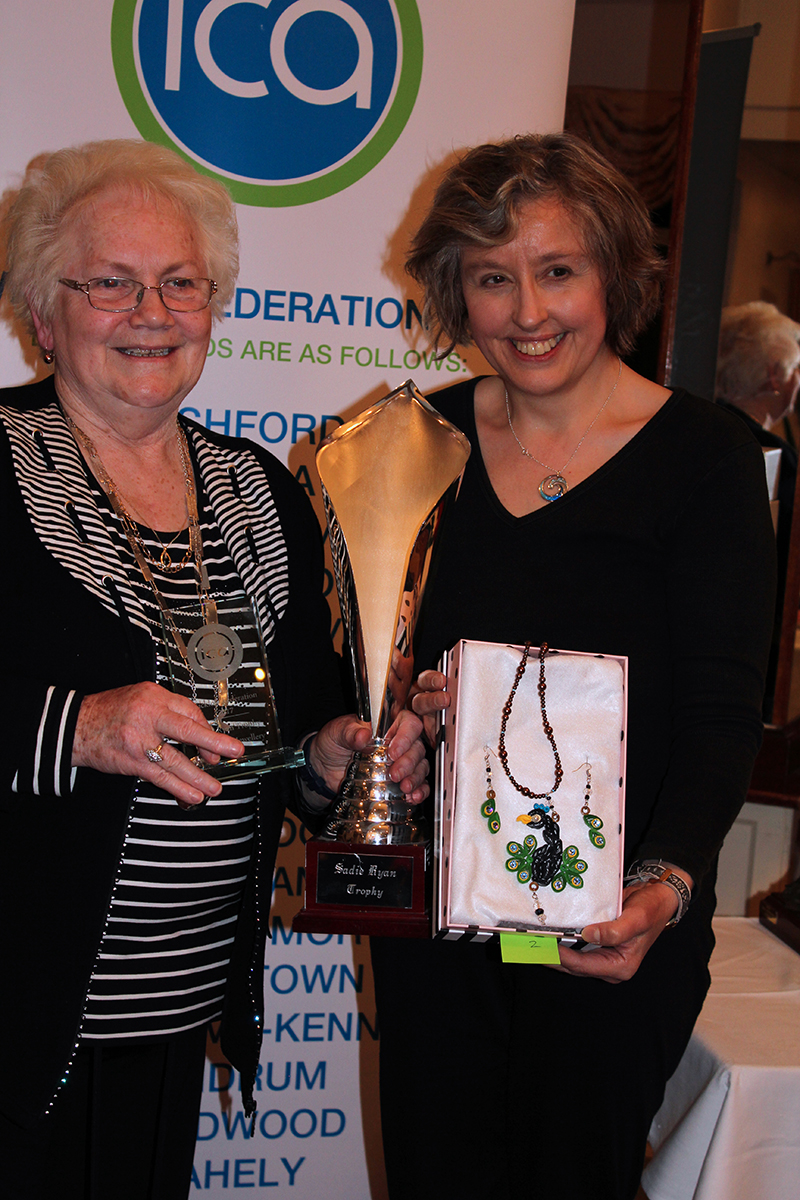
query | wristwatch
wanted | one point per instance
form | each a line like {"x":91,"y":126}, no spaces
{"x":655,"y":871}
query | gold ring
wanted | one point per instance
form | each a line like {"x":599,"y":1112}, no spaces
{"x":155,"y":756}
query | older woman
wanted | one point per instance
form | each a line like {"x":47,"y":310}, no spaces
{"x":598,"y":512}
{"x":758,"y":365}
{"x":758,"y":375}
{"x":129,"y":920}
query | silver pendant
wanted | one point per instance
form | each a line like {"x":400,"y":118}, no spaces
{"x":552,"y":487}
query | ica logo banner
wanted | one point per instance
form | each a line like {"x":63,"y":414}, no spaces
{"x":286,"y":101}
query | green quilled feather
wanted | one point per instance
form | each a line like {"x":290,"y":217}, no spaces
{"x":489,"y":810}
{"x":569,"y":873}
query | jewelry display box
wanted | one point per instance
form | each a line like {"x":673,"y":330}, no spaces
{"x":484,"y":866}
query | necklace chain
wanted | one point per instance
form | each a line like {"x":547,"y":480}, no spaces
{"x":554,"y":486}
{"x":130,"y":526}
{"x":207,"y":602}
{"x":502,"y":753}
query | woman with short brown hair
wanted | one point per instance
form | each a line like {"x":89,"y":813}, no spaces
{"x":602,"y":513}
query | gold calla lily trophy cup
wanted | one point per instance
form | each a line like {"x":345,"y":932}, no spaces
{"x":387,"y":478}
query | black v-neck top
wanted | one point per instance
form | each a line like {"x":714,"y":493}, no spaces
{"x":665,"y":554}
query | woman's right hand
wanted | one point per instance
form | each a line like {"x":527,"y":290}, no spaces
{"x":427,"y":698}
{"x":115,"y":729}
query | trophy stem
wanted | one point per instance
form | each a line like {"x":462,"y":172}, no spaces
{"x":371,"y":809}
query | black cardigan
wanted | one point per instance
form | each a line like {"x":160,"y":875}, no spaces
{"x":59,"y":855}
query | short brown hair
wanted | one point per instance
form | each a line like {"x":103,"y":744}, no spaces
{"x":476,"y":204}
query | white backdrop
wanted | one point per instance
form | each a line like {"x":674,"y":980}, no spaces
{"x":323,"y":323}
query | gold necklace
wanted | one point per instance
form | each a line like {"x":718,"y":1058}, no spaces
{"x":165,"y":558}
{"x":164,"y":561}
{"x":554,"y":485}
{"x":207,"y":602}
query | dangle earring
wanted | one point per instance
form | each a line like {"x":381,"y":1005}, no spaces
{"x":48,"y":356}
{"x":594,"y":824}
{"x":489,"y":806}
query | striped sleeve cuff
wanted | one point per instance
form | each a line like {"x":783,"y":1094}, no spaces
{"x":50,"y":772}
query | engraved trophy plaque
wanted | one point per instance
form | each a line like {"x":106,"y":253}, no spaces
{"x":387,"y":477}
{"x":225,"y":671}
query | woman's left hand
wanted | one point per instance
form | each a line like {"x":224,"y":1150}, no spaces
{"x":331,"y":749}
{"x":618,"y":947}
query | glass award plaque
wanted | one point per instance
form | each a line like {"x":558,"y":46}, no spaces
{"x":226,"y":673}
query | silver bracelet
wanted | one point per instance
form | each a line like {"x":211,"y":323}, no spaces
{"x":655,"y":871}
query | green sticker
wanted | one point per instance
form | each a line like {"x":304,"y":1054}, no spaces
{"x":529,"y":948}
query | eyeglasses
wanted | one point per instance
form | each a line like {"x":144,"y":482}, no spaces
{"x":124,"y":295}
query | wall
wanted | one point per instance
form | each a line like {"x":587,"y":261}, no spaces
{"x":768,"y":223}
{"x":772,"y":104}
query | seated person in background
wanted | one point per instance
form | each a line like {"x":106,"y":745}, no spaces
{"x":758,"y":375}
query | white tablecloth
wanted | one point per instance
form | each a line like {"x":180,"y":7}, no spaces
{"x":729,"y":1128}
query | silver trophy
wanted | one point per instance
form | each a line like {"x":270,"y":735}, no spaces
{"x":387,"y":477}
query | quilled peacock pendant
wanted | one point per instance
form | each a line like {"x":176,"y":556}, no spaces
{"x":547,"y":865}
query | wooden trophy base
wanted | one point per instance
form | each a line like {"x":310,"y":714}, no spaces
{"x":781,"y":920}
{"x":377,"y":890}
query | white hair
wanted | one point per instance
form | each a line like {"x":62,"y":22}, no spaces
{"x":755,"y":339}
{"x":57,"y":187}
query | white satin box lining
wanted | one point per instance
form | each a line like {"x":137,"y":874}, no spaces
{"x":586,"y":701}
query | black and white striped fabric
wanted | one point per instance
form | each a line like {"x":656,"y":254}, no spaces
{"x":50,"y":773}
{"x":163,"y":959}
{"x":62,"y":508}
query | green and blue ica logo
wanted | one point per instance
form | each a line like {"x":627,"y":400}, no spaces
{"x":286,"y":101}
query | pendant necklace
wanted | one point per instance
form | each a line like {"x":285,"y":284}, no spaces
{"x":164,"y":560}
{"x":208,"y":605}
{"x":542,"y":863}
{"x":554,"y":485}
{"x":552,"y":863}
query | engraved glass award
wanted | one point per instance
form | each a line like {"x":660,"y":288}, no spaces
{"x":226,"y":673}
